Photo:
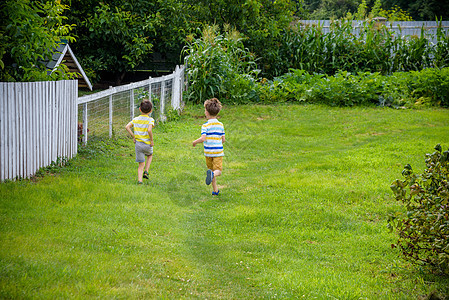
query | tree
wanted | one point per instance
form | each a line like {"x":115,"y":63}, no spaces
{"x":361,"y":11}
{"x":120,"y":36}
{"x":30,"y":33}
{"x":427,"y":10}
{"x":260,"y":21}
{"x":330,"y":9}
{"x":393,"y":14}
{"x":116,"y":39}
{"x":377,"y":6}
{"x":417,"y":9}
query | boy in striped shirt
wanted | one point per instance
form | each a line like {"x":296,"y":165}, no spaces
{"x":143,"y":139}
{"x":213,"y":138}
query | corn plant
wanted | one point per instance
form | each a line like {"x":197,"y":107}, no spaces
{"x":441,"y":49}
{"x":371,"y":49}
{"x":217,"y":64}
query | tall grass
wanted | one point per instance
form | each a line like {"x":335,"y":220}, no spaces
{"x":302,"y":212}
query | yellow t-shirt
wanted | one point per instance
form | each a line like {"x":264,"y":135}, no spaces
{"x":141,"y":125}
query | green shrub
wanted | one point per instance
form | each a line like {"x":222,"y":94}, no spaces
{"x":429,"y":87}
{"x":343,"y":89}
{"x":424,"y":228}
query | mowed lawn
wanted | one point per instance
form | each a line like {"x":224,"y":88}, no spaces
{"x":301,"y":214}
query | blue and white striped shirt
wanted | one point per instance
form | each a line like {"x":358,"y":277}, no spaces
{"x":214,"y":131}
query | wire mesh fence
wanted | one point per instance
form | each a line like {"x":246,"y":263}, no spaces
{"x":105,"y":114}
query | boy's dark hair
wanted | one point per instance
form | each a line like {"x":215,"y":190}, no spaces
{"x":213,"y":106}
{"x":146,"y":106}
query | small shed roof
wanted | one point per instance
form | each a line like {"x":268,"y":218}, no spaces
{"x":64,"y":54}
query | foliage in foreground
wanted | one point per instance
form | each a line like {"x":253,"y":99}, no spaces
{"x":424,"y":229}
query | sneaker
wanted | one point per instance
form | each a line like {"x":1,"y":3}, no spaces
{"x":215,"y":193}
{"x":209,"y":176}
{"x":145,"y":175}
{"x":139,"y":182}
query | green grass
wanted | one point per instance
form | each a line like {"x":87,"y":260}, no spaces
{"x":302,"y":212}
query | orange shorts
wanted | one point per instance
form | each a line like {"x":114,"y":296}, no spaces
{"x":214,"y":163}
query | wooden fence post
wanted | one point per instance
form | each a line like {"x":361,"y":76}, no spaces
{"x":19,"y":133}
{"x":85,"y":120}
{"x":162,"y":104}
{"x":131,"y":103}
{"x":3,"y":89}
{"x":149,"y":89}
{"x":175,"y":89}
{"x":110,"y":114}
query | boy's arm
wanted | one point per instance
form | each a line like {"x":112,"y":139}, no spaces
{"x":223,"y":139}
{"x":128,"y":128}
{"x":150,"y":133}
{"x":200,"y":140}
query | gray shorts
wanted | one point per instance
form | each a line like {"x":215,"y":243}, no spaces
{"x":142,"y":150}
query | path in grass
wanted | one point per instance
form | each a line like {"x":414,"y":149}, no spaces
{"x":302,"y":213}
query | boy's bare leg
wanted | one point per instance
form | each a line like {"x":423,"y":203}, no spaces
{"x":214,"y":182}
{"x":140,"y":171}
{"x":148,"y":163}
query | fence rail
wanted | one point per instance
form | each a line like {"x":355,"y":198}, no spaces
{"x":37,"y":125}
{"x":104,"y":114}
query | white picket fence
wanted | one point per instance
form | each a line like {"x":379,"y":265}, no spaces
{"x":38,"y":125}
{"x":105,"y":114}
{"x":400,"y":29}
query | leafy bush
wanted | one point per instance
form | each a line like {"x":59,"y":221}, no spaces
{"x":424,"y":229}
{"x":429,"y":87}
{"x":343,"y":89}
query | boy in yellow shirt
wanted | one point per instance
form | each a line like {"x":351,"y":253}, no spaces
{"x":143,"y":139}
